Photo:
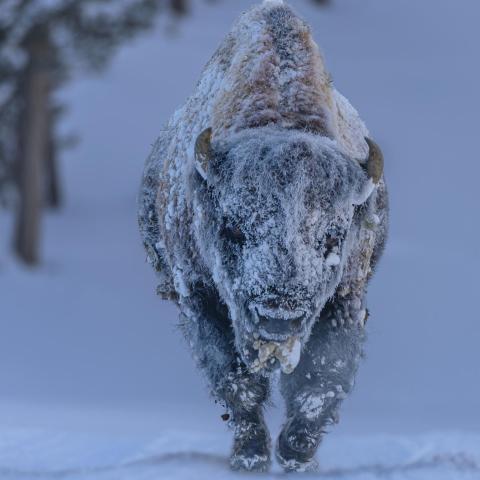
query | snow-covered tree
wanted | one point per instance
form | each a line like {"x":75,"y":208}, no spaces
{"x":43,"y":43}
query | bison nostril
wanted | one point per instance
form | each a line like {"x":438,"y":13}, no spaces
{"x":296,"y":323}
{"x":271,"y":303}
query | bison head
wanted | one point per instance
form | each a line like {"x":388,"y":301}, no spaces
{"x":273,"y":211}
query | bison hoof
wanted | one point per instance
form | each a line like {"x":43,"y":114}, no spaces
{"x":292,"y":460}
{"x":251,"y":451}
{"x":250,"y":463}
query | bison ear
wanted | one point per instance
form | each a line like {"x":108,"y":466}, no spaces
{"x":203,"y":152}
{"x":373,"y":166}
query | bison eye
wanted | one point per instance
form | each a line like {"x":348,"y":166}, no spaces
{"x":331,"y":243}
{"x":328,"y":244}
{"x":234,"y":234}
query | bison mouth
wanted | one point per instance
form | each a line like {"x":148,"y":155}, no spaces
{"x":274,"y":338}
{"x":276,"y":322}
{"x":279,"y":326}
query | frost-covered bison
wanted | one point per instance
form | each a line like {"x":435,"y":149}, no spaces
{"x":263,"y":210}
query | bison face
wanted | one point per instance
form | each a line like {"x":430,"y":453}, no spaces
{"x":273,"y":211}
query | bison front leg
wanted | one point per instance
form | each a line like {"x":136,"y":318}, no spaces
{"x":208,"y":330}
{"x":244,"y":395}
{"x":316,"y":389}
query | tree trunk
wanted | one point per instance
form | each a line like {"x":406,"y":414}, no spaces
{"x":53,"y":194}
{"x":33,"y":147}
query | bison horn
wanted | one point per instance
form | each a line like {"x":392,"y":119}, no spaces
{"x":374,"y":162}
{"x":203,"y":152}
{"x":373,"y":166}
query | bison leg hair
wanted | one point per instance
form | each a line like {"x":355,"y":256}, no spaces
{"x":208,"y":330}
{"x":322,"y":380}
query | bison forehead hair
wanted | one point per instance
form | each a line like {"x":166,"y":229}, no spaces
{"x":274,"y":209}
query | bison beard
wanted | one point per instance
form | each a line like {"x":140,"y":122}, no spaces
{"x":264,"y":211}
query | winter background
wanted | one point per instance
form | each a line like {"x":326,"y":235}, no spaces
{"x":95,"y":381}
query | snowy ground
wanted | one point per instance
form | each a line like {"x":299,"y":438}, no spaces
{"x":183,"y":456}
{"x":87,"y":349}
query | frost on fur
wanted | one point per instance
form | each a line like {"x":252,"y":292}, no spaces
{"x":263,"y":210}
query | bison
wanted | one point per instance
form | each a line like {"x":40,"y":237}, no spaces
{"x":263,"y":210}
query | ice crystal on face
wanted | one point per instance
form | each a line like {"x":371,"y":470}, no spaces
{"x":287,"y":353}
{"x":332,"y":260}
